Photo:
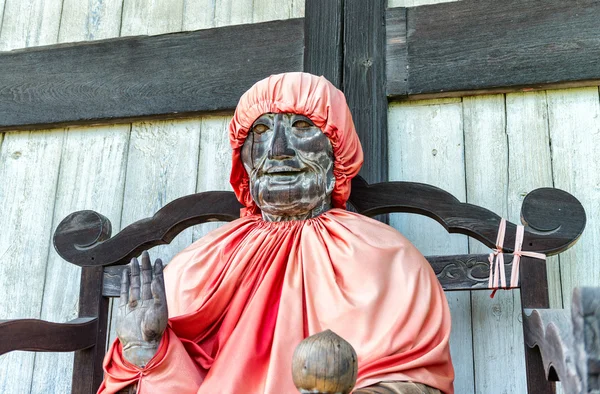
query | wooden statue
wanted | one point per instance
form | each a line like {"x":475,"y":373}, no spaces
{"x":290,"y":165}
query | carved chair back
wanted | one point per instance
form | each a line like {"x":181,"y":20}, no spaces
{"x":554,"y":219}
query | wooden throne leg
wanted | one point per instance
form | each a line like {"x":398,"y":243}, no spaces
{"x":534,"y":294}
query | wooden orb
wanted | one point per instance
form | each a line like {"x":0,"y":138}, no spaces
{"x":324,"y":364}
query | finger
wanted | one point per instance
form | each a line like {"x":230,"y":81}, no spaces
{"x":158,"y":284}
{"x":124,"y":299}
{"x":134,"y":289}
{"x":146,"y":276}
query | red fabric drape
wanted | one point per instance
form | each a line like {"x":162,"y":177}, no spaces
{"x":241,"y":298}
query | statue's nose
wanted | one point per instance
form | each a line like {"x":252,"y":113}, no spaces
{"x":280,"y":148}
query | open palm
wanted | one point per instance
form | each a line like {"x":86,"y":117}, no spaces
{"x":143,"y":313}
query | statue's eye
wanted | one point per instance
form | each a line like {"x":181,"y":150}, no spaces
{"x":260,"y":128}
{"x":302,"y":124}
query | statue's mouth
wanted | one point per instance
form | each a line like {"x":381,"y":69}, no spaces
{"x":284,"y":171}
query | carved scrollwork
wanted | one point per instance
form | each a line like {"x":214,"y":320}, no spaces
{"x":465,"y":271}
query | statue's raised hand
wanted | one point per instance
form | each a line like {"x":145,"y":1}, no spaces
{"x":143,"y":314}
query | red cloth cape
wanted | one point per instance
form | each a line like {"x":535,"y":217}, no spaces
{"x":242,"y":297}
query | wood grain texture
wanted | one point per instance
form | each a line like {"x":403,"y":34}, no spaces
{"x":29,"y":23}
{"x":266,"y":10}
{"x":233,"y":12}
{"x":198,"y":14}
{"x":512,"y":43}
{"x":78,"y":85}
{"x":426,"y":145}
{"x":91,"y":20}
{"x":323,"y":39}
{"x":396,"y":60}
{"x":91,"y":177}
{"x":574,"y":126}
{"x":158,"y":17}
{"x":29,"y":170}
{"x":364,"y":81}
{"x":43,"y":336}
{"x":487,"y":163}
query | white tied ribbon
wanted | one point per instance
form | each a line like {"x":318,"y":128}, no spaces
{"x":496,"y":258}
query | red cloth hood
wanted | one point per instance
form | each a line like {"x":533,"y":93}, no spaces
{"x":304,"y":94}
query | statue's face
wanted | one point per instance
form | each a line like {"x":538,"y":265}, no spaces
{"x":290,"y":164}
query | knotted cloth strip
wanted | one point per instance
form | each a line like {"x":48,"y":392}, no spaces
{"x":496,"y":259}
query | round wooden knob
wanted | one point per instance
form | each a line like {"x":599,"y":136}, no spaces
{"x":325,"y":364}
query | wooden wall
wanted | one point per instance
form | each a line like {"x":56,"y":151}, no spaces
{"x":488,"y":150}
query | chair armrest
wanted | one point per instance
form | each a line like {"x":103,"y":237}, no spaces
{"x":569,"y":341}
{"x":43,"y":336}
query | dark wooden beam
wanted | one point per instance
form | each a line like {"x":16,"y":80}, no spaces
{"x":87,"y":366}
{"x":171,"y":75}
{"x":43,"y":336}
{"x":448,"y":49}
{"x":323,"y":48}
{"x":364,"y":81}
{"x":470,"y":46}
{"x":396,"y":52}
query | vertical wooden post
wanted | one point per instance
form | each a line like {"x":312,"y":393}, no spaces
{"x":323,"y":34}
{"x":87,"y":368}
{"x":534,"y":294}
{"x":364,"y":81}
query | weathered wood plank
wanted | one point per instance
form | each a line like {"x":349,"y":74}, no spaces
{"x":91,"y":177}
{"x":574,"y":123}
{"x":504,"y":44}
{"x":92,"y":20}
{"x":29,"y":171}
{"x":266,"y":10}
{"x":233,"y":12}
{"x":323,"y":39}
{"x":487,"y":163}
{"x":214,"y":163}
{"x":396,"y":59}
{"x":180,"y":80}
{"x":426,"y":145}
{"x":29,"y":23}
{"x":198,"y":14}
{"x":29,"y":165}
{"x":364,"y":81}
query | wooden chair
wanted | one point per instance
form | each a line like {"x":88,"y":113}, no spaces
{"x":557,"y":347}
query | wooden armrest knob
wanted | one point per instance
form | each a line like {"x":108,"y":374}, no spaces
{"x":324,"y":364}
